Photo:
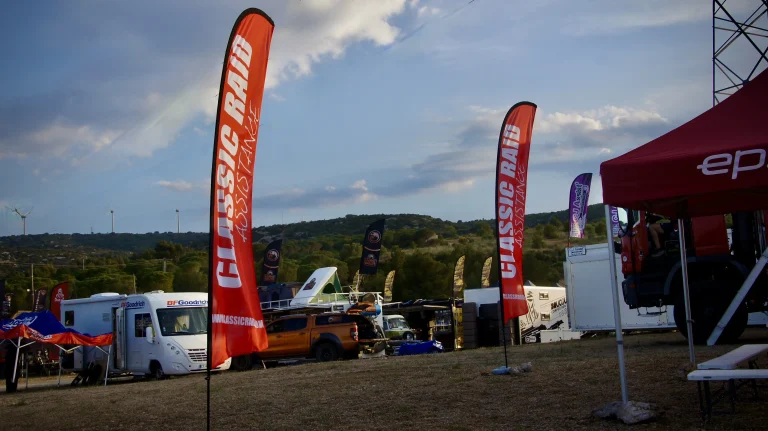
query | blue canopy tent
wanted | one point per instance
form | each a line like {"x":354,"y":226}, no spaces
{"x":43,"y":327}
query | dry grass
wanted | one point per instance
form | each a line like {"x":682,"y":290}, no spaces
{"x":445,"y":392}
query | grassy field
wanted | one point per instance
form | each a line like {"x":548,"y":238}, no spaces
{"x":446,"y":392}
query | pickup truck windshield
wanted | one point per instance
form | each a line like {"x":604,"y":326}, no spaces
{"x":183,"y":321}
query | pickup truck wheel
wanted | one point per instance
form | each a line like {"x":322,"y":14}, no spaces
{"x":326,"y":352}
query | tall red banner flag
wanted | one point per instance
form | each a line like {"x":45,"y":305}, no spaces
{"x":235,"y":324}
{"x":511,"y":187}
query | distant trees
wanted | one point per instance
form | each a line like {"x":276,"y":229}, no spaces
{"x":422,"y":250}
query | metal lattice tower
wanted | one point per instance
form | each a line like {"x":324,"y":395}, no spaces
{"x":739,"y":44}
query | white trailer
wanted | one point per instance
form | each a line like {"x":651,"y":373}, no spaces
{"x":590,"y":304}
{"x":155,"y":333}
{"x":547,"y":318}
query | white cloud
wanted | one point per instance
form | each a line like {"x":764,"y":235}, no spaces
{"x":56,"y":139}
{"x":359,"y":185}
{"x":574,"y":137}
{"x":614,"y":16}
{"x":323,"y":29}
{"x":276,"y":97}
{"x":484,"y":110}
{"x":427,"y":11}
{"x":605,"y":118}
{"x":148,"y":110}
{"x":178,"y":185}
{"x":327,"y":196}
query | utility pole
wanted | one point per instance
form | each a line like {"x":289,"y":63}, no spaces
{"x":33,"y":287}
{"x":178,"y":221}
{"x":83,"y":263}
{"x":163,"y":265}
{"x":134,"y":284}
{"x":113,"y":220}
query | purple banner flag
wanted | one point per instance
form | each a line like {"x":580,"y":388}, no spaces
{"x":614,"y":220}
{"x":577,"y":205}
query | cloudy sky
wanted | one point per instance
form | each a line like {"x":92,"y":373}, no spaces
{"x":371,"y":106}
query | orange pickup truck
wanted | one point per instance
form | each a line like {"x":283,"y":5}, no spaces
{"x":325,"y":337}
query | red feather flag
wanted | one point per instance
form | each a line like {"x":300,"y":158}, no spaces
{"x":236,"y":325}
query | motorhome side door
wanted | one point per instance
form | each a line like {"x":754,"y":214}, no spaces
{"x":119,"y":344}
{"x":139,"y":351}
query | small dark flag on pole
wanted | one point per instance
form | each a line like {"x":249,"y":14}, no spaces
{"x":271,"y":263}
{"x":369,"y":261}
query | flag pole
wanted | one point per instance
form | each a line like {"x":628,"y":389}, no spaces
{"x":503,"y":326}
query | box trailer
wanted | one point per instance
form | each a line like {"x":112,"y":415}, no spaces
{"x":590,"y":304}
{"x":547,"y":318}
{"x":155,"y":333}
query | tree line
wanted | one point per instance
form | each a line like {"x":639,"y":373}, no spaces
{"x":422,"y":257}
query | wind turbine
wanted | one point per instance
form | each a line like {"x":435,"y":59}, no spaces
{"x":23,"y":217}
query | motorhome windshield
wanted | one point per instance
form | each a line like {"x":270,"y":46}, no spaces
{"x":183,"y":321}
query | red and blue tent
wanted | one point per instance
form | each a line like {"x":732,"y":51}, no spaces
{"x":43,"y":327}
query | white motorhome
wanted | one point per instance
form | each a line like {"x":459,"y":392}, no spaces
{"x":155,"y":333}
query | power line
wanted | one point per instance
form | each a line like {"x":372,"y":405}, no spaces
{"x":421,"y":27}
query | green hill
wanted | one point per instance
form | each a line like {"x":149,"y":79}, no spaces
{"x":422,"y":251}
{"x":349,"y":225}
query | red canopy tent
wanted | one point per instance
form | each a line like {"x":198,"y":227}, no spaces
{"x":713,"y":164}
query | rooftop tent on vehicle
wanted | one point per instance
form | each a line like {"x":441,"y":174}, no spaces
{"x":321,"y":286}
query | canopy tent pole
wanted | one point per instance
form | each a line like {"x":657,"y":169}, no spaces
{"x":616,"y":309}
{"x":106,"y":372}
{"x":60,"y":355}
{"x":26,"y":370}
{"x":686,"y":291}
{"x":16,"y":364}
{"x":738,"y":299}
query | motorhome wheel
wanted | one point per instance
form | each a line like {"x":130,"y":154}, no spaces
{"x":157,"y":371}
